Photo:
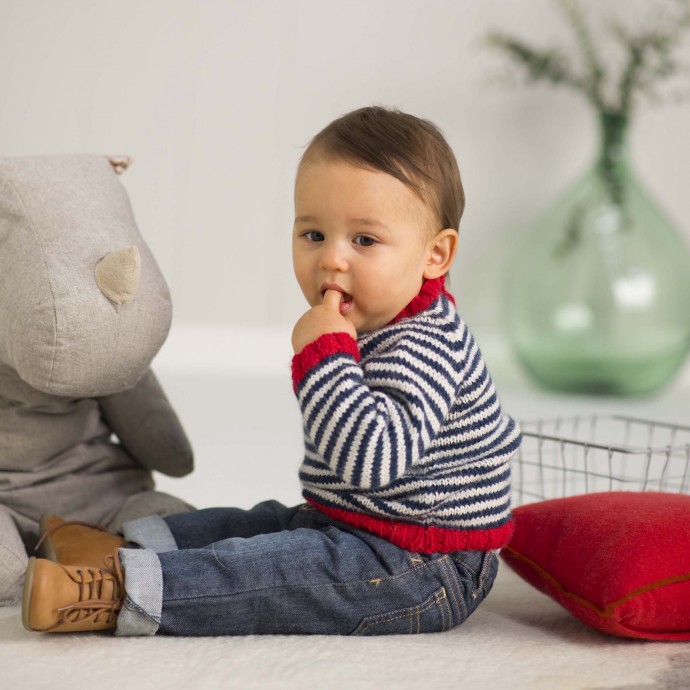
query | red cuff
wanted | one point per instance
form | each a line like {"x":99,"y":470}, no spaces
{"x":316,"y":351}
{"x":430,"y":292}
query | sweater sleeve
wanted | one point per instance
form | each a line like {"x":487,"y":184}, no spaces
{"x":369,"y":424}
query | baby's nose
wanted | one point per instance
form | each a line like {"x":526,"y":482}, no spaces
{"x":334,"y":257}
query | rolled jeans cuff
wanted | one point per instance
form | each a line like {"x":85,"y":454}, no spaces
{"x":150,"y":533}
{"x":141,"y":609}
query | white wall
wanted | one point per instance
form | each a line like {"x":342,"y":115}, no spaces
{"x":215,"y":100}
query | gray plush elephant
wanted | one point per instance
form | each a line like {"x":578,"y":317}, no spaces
{"x":84,"y":309}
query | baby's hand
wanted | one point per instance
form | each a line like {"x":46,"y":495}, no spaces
{"x":319,"y":320}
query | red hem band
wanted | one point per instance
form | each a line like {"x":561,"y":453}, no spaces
{"x":422,"y":539}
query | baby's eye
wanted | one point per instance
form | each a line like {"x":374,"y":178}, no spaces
{"x":314,"y":236}
{"x":365,"y":241}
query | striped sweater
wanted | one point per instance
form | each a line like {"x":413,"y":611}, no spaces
{"x":404,"y":433}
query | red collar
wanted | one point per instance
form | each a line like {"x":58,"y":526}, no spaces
{"x":431,"y":290}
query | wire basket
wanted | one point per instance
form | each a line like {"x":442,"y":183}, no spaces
{"x":577,"y":455}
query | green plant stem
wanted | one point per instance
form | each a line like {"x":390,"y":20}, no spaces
{"x":613,"y":161}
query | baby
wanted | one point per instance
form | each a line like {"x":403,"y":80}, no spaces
{"x":406,"y":473}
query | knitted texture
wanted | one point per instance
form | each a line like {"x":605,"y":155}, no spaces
{"x":315,"y":352}
{"x":409,"y":443}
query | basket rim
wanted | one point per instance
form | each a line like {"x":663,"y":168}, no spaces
{"x":613,"y":447}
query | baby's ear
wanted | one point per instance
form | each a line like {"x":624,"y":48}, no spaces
{"x":120,"y":163}
{"x":441,"y":253}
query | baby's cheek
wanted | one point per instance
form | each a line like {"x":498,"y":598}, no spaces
{"x":355,"y":318}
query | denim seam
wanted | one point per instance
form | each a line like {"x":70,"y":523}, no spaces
{"x":455,"y":595}
{"x":133,"y":606}
{"x":396,"y":615}
{"x":447,"y":610}
{"x":473,"y":571}
{"x":445,"y":574}
{"x":442,"y":604}
{"x":443,"y":615}
{"x":487,"y":562}
{"x":405,"y":574}
{"x":455,"y":588}
{"x":347,"y":583}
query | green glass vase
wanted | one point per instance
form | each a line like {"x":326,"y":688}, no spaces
{"x":598,"y":296}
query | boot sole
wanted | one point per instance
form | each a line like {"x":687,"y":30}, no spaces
{"x":47,"y":549}
{"x":26,"y":595}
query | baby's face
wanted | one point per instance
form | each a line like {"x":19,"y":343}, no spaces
{"x":363,"y":233}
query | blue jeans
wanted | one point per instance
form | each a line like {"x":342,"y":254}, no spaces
{"x":279,"y":570}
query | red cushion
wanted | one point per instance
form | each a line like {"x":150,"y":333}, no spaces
{"x":619,"y":561}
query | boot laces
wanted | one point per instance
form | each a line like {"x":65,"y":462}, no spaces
{"x":92,"y":604}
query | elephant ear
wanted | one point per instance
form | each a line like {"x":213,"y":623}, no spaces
{"x":84,"y":307}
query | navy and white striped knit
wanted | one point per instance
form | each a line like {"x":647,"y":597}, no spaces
{"x":404,"y":433}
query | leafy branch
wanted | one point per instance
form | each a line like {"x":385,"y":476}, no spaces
{"x":650,"y":57}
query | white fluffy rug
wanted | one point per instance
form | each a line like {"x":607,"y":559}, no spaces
{"x":518,"y":640}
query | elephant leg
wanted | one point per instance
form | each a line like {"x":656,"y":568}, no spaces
{"x":144,"y":504}
{"x":13,"y":560}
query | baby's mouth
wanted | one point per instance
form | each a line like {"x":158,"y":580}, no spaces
{"x":345,"y":303}
{"x":346,"y":300}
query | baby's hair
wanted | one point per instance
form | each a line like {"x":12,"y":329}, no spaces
{"x":407,"y":147}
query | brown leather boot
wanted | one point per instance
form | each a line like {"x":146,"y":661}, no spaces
{"x":70,"y":542}
{"x":60,"y":598}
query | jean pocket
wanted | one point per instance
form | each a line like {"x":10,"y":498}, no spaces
{"x":431,"y":615}
{"x":487,"y":575}
{"x":478,"y":571}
